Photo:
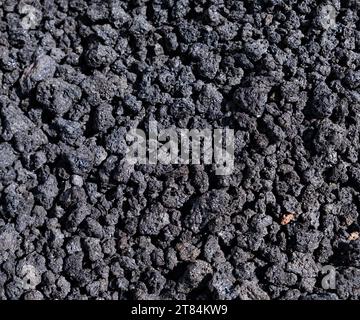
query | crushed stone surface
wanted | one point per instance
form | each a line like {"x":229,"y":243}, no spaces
{"x":79,"y":222}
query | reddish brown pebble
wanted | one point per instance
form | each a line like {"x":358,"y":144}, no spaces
{"x":287,"y":218}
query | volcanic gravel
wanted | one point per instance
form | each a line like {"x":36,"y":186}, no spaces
{"x":78,"y":222}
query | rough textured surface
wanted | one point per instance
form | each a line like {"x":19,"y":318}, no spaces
{"x":77,"y":222}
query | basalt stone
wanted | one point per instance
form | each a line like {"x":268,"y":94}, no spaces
{"x":79,"y":221}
